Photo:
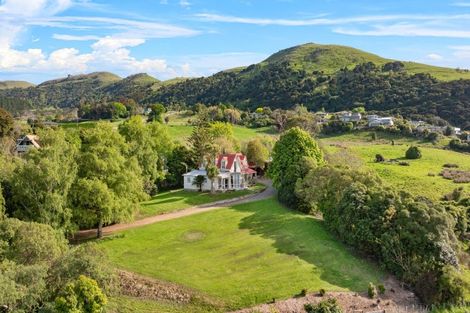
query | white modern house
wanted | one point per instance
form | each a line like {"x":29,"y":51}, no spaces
{"x":381,"y":121}
{"x":234,"y":174}
{"x":25,"y":143}
{"x":350,"y":117}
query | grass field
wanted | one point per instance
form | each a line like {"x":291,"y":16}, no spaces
{"x":418,"y":177}
{"x":180,"y":131}
{"x":175,"y":200}
{"x":243,"y":134}
{"x":244,"y":255}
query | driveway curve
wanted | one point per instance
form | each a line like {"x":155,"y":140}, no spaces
{"x":107,"y":230}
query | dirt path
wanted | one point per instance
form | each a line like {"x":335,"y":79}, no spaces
{"x":395,"y":300}
{"x":267,"y":193}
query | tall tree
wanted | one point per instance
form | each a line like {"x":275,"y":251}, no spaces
{"x":157,"y":111}
{"x":150,"y":145}
{"x":293,"y":155}
{"x":103,"y":164}
{"x":2,"y":204}
{"x":257,"y":153}
{"x":6,"y":123}
{"x":212,"y":172}
{"x":202,"y":143}
{"x":180,"y":161}
{"x":40,"y":185}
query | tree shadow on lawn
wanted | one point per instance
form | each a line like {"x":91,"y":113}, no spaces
{"x":307,"y":238}
{"x":154,"y":202}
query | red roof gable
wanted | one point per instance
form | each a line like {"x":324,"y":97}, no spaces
{"x":230,"y":158}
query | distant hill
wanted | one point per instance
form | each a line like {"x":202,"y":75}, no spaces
{"x":331,"y":58}
{"x":331,"y":77}
{"x":8,"y":84}
{"x":137,"y":87}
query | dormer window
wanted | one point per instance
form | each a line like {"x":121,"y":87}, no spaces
{"x":224,"y":163}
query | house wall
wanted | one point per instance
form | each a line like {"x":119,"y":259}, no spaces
{"x":188,"y":185}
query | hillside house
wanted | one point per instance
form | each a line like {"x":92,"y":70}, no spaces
{"x":347,"y":117}
{"x":381,"y":121}
{"x":25,"y":143}
{"x":234,"y":174}
{"x":372,"y":117}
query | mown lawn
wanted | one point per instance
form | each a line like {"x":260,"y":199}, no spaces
{"x":175,"y":200}
{"x":244,"y":255}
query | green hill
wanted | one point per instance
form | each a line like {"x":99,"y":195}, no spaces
{"x":332,"y":58}
{"x":318,"y":76}
{"x":137,"y":87}
{"x":333,"y":78}
{"x":9,"y":84}
{"x":99,"y":79}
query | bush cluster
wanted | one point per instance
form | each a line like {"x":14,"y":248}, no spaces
{"x":413,"y":153}
{"x":412,"y":237}
{"x":326,"y":306}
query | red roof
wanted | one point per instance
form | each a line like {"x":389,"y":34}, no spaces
{"x":248,"y":171}
{"x":230,"y":158}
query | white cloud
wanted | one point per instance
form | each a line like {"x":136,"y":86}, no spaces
{"x":328,"y":21}
{"x":66,"y":37}
{"x":109,"y":43}
{"x":461,"y":4}
{"x":185,"y":3}
{"x":461,"y":52}
{"x":404,"y":30}
{"x":434,"y":56}
{"x":109,"y":52}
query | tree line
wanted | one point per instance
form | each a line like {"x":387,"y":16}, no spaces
{"x":413,"y":237}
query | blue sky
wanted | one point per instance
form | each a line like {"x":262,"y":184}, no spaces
{"x":44,"y":39}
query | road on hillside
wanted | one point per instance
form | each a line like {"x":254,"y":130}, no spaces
{"x":107,"y":230}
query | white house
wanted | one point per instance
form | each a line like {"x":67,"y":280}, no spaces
{"x":234,"y":174}
{"x":350,"y":117}
{"x":381,"y":121}
{"x":372,"y":117}
{"x":25,"y":143}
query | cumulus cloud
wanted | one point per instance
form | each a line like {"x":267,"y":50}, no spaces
{"x":111,"y":52}
{"x":434,"y":56}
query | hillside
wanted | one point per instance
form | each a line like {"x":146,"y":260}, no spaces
{"x":333,"y":78}
{"x":318,"y":76}
{"x":330,"y":59}
{"x":9,"y":84}
{"x":136,"y":87}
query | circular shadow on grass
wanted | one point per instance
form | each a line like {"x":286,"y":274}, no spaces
{"x":193,"y":236}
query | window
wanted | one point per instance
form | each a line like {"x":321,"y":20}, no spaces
{"x":188,"y":180}
{"x":223,"y":164}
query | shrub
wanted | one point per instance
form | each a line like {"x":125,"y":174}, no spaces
{"x":413,"y":153}
{"x":371,"y":291}
{"x":322,"y":292}
{"x":433,"y":137}
{"x":381,"y":289}
{"x":326,"y":306}
{"x":373,"y":136}
{"x":303,"y":292}
{"x":379,"y":158}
